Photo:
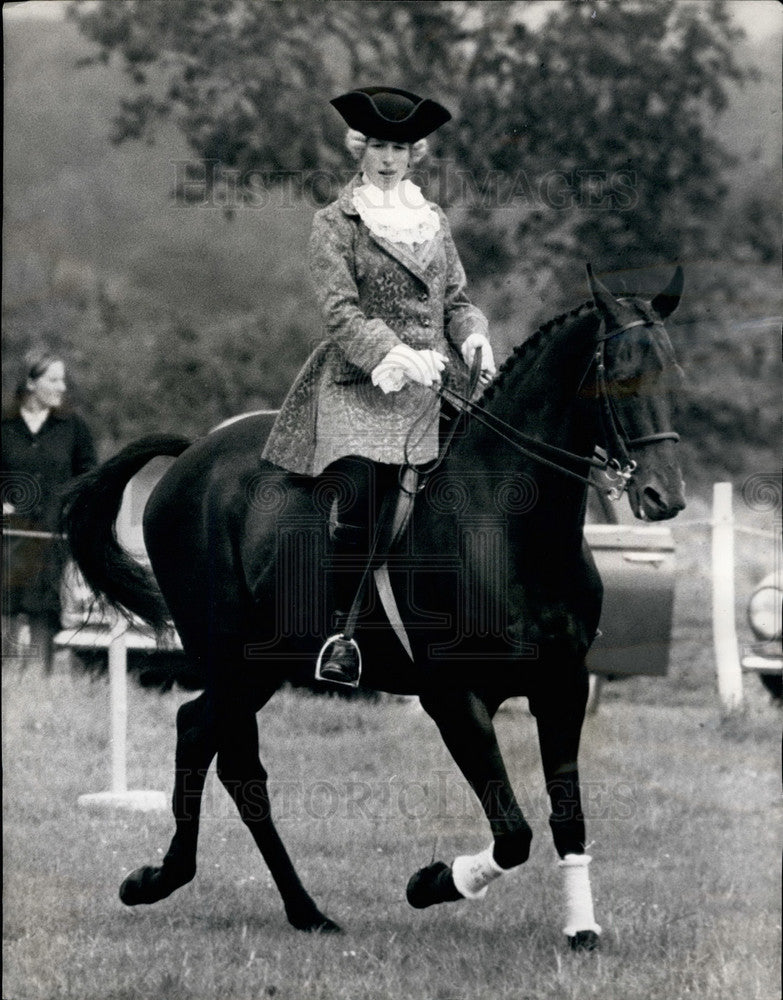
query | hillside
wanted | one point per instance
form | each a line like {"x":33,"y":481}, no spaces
{"x":99,"y":258}
{"x":77,"y":205}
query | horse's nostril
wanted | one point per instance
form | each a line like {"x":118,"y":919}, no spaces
{"x":657,"y":506}
{"x":653,"y":497}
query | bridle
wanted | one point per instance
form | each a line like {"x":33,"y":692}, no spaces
{"x":617,"y":466}
{"x":623,"y":466}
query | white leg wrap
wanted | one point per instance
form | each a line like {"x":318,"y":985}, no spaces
{"x":578,"y":897}
{"x":472,"y":873}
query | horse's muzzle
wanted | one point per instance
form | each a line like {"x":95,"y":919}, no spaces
{"x":653,"y":502}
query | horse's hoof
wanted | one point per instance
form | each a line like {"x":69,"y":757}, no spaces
{"x":149,"y":885}
{"x":584,"y":941}
{"x":313,"y":922}
{"x":323,"y":925}
{"x":433,"y":884}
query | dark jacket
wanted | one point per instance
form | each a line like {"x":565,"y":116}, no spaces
{"x":374,"y":294}
{"x":35,"y":468}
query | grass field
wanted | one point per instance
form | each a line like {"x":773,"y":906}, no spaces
{"x":684,"y":812}
{"x":683,"y":807}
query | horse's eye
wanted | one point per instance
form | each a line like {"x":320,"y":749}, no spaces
{"x":627,"y":385}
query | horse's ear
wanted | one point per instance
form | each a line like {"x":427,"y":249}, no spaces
{"x":604,"y":300}
{"x":667,"y":301}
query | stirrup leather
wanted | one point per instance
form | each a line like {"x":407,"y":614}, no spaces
{"x":332,"y":670}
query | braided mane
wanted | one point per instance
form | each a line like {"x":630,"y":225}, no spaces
{"x":527,"y":347}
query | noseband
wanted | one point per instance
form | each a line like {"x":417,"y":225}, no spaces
{"x":618,"y":465}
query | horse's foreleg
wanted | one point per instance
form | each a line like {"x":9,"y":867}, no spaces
{"x":196,"y":748}
{"x":245,"y":779}
{"x":559,"y":709}
{"x":466,"y":726}
{"x":558,"y":703}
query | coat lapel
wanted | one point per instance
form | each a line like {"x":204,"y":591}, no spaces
{"x":417,"y":264}
{"x":405,"y":256}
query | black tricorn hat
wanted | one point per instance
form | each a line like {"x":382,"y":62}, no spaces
{"x":390,"y":114}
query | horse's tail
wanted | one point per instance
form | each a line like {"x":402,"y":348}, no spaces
{"x":89,"y":512}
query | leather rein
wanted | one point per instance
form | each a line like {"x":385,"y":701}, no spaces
{"x":618,"y":465}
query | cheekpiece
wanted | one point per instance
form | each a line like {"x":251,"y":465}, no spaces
{"x":390,"y":114}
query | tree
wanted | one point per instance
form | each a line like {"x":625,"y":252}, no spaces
{"x":246,"y":79}
{"x":584,"y":138}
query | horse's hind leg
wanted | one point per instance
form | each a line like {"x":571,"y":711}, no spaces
{"x":196,"y":748}
{"x":245,"y":779}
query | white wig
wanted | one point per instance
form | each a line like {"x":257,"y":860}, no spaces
{"x":356,"y":143}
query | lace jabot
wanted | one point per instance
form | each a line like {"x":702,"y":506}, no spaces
{"x":401,"y":215}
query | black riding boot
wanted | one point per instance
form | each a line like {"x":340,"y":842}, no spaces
{"x":340,"y":660}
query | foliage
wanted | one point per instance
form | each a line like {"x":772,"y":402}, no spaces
{"x":604,"y":109}
{"x":246,"y":80}
{"x":583,"y":139}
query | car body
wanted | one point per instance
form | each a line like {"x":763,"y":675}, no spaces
{"x":765,"y":616}
{"x":635,"y":560}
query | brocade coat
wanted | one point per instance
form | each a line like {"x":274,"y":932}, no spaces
{"x":374,"y":294}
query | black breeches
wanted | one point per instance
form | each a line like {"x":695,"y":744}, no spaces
{"x":361,"y":485}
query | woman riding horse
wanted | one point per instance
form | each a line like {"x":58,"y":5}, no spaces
{"x":392,"y":291}
{"x":495,"y":584}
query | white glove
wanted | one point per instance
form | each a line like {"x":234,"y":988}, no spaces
{"x":469,"y":348}
{"x":403,"y":363}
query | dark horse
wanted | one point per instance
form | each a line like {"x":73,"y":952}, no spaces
{"x":497,"y":589}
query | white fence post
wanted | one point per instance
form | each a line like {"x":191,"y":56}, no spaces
{"x":727,"y":661}
{"x":120,"y":797}
{"x":118,"y":699}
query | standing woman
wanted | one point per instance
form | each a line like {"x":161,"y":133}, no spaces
{"x":44,"y":446}
{"x":397,"y":322}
